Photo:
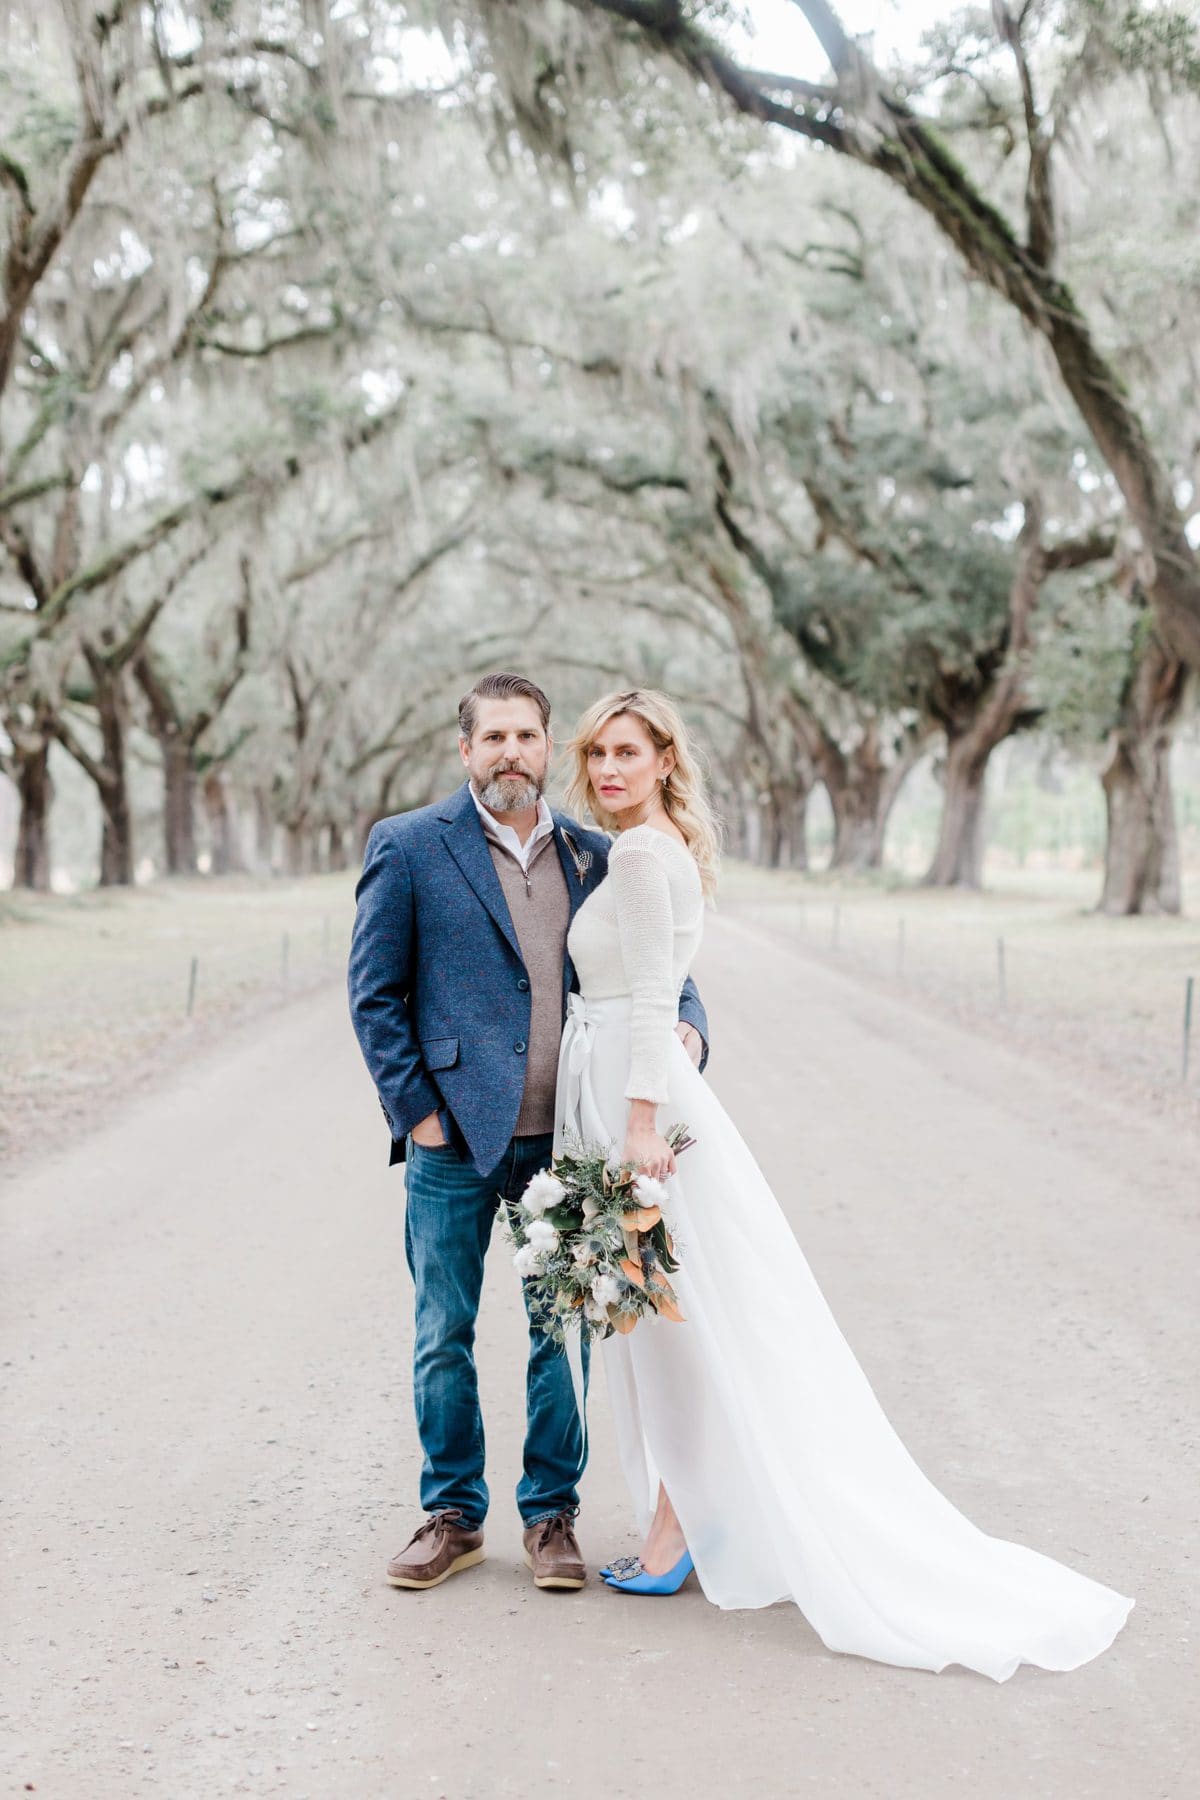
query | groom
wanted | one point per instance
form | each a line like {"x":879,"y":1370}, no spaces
{"x":459,"y":978}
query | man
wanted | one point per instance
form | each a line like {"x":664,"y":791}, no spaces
{"x":459,"y":977}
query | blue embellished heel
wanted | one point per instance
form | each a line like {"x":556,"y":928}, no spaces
{"x":621,"y":1566}
{"x":641,"y":1583}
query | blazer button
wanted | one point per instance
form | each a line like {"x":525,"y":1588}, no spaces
{"x":522,"y":986}
{"x":519,"y":1046}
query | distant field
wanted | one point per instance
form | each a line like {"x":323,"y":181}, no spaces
{"x":1108,"y":993}
{"x":94,"y":987}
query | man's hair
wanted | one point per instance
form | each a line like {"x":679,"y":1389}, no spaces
{"x":500,"y":687}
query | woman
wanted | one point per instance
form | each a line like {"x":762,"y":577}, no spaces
{"x":753,"y":1444}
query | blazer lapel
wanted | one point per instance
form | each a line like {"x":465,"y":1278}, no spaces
{"x":577,"y":865}
{"x":467,"y":843}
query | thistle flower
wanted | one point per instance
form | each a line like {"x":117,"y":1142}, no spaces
{"x":544,"y":1191}
{"x":585,"y":1254}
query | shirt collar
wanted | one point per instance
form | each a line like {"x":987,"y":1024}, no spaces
{"x":506,"y":837}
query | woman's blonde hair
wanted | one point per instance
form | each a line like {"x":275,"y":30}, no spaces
{"x":684,"y":794}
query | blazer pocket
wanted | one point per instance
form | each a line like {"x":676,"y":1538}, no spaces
{"x":439,"y":1053}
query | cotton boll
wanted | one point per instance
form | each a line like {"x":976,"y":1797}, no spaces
{"x":651,"y":1192}
{"x":606,"y":1290}
{"x":544,"y":1191}
{"x":527,"y":1262}
{"x":542,"y":1236}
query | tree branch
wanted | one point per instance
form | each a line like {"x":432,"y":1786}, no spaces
{"x":225,"y":688}
{"x":1039,"y":195}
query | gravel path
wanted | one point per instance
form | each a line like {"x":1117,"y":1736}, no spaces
{"x":210,"y":1453}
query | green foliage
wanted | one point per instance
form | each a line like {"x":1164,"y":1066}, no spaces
{"x":40,"y":121}
{"x":666,"y":330}
{"x":1083,"y":663}
{"x":609,"y":1252}
{"x":1161,"y":39}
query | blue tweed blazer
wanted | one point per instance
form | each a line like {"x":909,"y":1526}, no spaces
{"x":439,"y":994}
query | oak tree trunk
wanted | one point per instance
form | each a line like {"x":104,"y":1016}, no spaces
{"x":857,"y":831}
{"x":35,"y":791}
{"x":224,"y":846}
{"x":299,"y":848}
{"x":1141,"y":856}
{"x":264,"y":832}
{"x":179,"y":805}
{"x":782,"y":810}
{"x":116,"y":838}
{"x":958,"y":858}
{"x":862,"y":785}
{"x":337,"y":846}
{"x":109,"y":774}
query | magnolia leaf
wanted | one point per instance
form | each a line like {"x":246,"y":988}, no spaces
{"x":632,"y":1272}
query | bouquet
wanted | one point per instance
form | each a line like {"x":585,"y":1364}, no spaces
{"x":592,"y":1244}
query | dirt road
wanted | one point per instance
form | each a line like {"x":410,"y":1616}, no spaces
{"x":210,"y":1451}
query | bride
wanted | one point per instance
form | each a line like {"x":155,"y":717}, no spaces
{"x":753,"y":1445}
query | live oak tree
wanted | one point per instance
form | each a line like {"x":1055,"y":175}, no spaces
{"x":1122,"y":80}
{"x":1098,"y":679}
{"x":113,"y":281}
{"x":181,"y":343}
{"x":649,"y":411}
{"x":848,"y":455}
{"x":863,"y":115}
{"x":181,"y":714}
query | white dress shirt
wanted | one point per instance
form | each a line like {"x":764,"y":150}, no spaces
{"x":506,"y":837}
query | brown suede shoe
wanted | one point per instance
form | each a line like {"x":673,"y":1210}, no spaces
{"x":441,"y":1547}
{"x":553,"y":1554}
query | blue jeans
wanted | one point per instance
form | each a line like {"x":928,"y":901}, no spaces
{"x":448,"y":1222}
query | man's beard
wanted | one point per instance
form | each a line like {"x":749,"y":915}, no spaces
{"x":512,"y":792}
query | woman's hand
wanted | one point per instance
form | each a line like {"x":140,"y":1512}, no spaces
{"x":645,"y":1146}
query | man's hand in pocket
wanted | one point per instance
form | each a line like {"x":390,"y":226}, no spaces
{"x":428,"y":1132}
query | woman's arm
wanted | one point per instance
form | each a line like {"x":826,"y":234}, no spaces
{"x":645,"y":925}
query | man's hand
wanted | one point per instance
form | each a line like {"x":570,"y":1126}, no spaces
{"x":428,"y":1132}
{"x":693,"y":1043}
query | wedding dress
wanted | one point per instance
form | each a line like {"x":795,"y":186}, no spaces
{"x":787,"y":1478}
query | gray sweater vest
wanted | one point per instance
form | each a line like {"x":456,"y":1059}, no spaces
{"x":541,"y":914}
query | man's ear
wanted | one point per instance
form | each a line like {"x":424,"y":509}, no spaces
{"x":463,"y":748}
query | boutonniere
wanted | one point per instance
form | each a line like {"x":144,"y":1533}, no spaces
{"x":583,"y":859}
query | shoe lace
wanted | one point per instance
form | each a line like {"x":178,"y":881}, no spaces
{"x":435,"y":1521}
{"x":562,"y":1523}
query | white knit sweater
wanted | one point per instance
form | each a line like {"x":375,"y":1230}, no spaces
{"x":637,"y":935}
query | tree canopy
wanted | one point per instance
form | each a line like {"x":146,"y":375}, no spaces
{"x":349,"y":350}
